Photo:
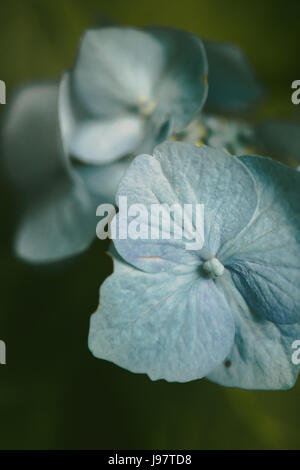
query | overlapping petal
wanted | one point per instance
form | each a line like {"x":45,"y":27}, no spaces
{"x":161,"y":325}
{"x":264,"y":258}
{"x":31,"y":137}
{"x":57,"y":218}
{"x":115,"y":68}
{"x":102,"y":181}
{"x":261,"y":357}
{"x":56,"y":223}
{"x":93,"y":140}
{"x":181,"y":90}
{"x":180,"y":173}
{"x":233,"y":85}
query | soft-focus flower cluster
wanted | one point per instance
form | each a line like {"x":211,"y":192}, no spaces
{"x":144,"y":111}
{"x":128,"y":91}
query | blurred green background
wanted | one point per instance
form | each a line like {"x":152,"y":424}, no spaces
{"x":53,"y":393}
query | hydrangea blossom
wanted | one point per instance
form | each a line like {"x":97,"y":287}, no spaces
{"x":128,"y":88}
{"x":230,"y":311}
{"x":114,"y":103}
{"x":118,"y":101}
{"x":58,"y":197}
{"x":116,"y":96}
{"x":107,"y":115}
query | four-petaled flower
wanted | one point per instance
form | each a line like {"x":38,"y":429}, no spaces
{"x":229,"y":311}
{"x":129,"y":88}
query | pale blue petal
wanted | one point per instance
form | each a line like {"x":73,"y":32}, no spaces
{"x":262,"y":354}
{"x":31,"y":137}
{"x":98,"y":141}
{"x":93,"y":140}
{"x":57,"y":224}
{"x":105,"y":141}
{"x":58,"y":217}
{"x":185,"y":174}
{"x":70,"y":112}
{"x":116,"y":68}
{"x":233,"y":85}
{"x":161,"y":325}
{"x":264,"y":258}
{"x":102,"y":180}
{"x":279,"y":138}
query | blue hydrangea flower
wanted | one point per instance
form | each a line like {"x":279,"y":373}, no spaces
{"x":108,"y":117}
{"x":230,"y":311}
{"x":107,"y":114}
{"x":117,"y":101}
{"x":128,"y":88}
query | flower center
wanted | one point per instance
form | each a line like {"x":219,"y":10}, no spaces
{"x":146,"y":106}
{"x":213,"y":267}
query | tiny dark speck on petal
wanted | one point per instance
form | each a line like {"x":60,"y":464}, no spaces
{"x":227,"y":363}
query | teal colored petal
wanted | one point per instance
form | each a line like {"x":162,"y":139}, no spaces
{"x":57,"y":217}
{"x":233,"y":85}
{"x":264,"y":258}
{"x":156,"y":132}
{"x":106,"y":141}
{"x":161,"y":325}
{"x":262,"y":355}
{"x":279,"y":138}
{"x":181,"y":90}
{"x":180,"y":173}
